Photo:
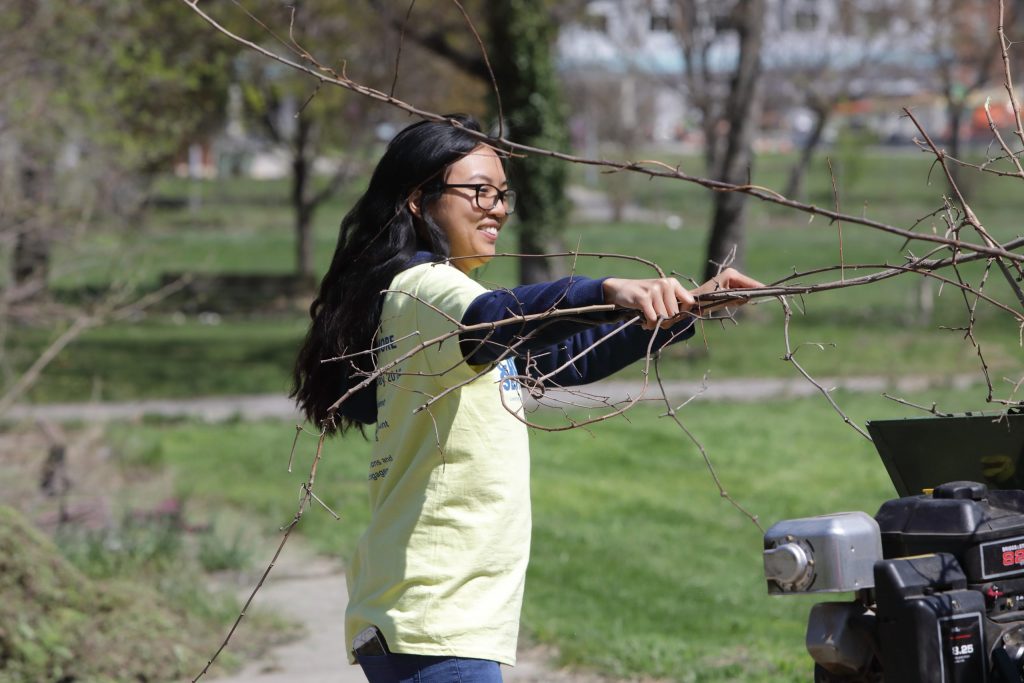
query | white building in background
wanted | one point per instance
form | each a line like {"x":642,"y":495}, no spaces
{"x":630,"y":49}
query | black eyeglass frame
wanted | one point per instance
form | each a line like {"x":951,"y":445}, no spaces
{"x":507,"y":196}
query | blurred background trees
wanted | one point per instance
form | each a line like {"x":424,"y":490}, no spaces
{"x":641,"y":74}
{"x":325,"y":134}
{"x":99,"y":98}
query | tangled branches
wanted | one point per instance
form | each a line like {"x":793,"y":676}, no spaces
{"x":964,"y":239}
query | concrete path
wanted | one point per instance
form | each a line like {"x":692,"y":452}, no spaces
{"x":595,"y":206}
{"x":311,"y":591}
{"x":221,"y":408}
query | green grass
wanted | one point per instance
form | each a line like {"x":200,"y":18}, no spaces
{"x":244,"y":466}
{"x":639,"y":566}
{"x":234,"y":225}
{"x":245,"y":226}
{"x":160,"y":358}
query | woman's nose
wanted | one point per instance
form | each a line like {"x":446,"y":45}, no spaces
{"x":499,"y":209}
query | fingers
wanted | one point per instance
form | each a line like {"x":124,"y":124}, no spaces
{"x":661,"y":298}
{"x":650,"y":314}
{"x":685,"y":299}
{"x":665,"y":299}
{"x":728,"y":279}
{"x":655,"y":301}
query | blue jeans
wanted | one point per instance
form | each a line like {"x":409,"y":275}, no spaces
{"x":399,"y":668}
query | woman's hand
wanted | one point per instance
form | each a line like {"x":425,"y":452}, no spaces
{"x":667,"y":299}
{"x":661,"y":298}
{"x":729,"y":278}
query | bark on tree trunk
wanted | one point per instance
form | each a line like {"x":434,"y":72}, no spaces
{"x":31,"y":257}
{"x":726,"y":239}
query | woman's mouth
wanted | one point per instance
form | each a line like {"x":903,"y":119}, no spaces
{"x":490,"y":231}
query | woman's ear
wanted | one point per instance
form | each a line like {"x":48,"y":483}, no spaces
{"x":414,"y":203}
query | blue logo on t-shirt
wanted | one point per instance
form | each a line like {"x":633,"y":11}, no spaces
{"x":507,"y":370}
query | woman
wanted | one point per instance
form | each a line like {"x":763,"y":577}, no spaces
{"x":436,"y":584}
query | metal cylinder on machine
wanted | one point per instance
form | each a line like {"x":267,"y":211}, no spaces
{"x":826,"y":554}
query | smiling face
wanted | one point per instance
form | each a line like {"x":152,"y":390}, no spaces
{"x":471,"y":231}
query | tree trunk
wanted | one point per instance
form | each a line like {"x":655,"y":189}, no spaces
{"x":302,"y":166}
{"x":521,"y":40}
{"x":795,"y":186}
{"x":955,"y":111}
{"x":31,"y":258}
{"x":726,"y":241}
{"x":728,"y":238}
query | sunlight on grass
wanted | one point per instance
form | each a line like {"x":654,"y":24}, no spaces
{"x":639,"y":566}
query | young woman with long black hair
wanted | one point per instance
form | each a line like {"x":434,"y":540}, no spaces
{"x":436,"y":583}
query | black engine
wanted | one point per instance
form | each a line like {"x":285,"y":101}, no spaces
{"x":937,"y":577}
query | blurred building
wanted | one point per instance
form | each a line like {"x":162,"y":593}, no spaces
{"x":625,"y":61}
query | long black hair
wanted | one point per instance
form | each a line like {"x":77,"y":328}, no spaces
{"x":377,"y":239}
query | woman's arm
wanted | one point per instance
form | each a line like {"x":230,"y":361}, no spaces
{"x":625,"y":345}
{"x":551,"y":343}
{"x":485,"y":346}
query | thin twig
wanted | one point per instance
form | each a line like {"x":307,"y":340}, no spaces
{"x":791,"y":357}
{"x":401,"y":42}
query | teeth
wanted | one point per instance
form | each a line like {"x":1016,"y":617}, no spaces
{"x":491,"y":231}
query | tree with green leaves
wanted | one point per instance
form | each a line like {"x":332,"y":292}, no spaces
{"x":95,"y":98}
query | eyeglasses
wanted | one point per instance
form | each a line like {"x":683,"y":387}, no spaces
{"x":488,"y":196}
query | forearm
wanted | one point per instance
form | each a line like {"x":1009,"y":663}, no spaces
{"x":598,"y":352}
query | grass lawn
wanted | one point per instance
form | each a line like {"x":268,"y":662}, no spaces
{"x":639,"y":567}
{"x":244,"y":226}
{"x":161,"y":358}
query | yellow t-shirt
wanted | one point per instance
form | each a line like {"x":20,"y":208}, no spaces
{"x":441,"y":568}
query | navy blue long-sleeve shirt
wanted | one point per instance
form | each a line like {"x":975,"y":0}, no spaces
{"x":539,"y":347}
{"x":551,"y":343}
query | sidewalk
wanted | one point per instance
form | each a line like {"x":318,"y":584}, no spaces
{"x":276,"y":406}
{"x":311,"y":590}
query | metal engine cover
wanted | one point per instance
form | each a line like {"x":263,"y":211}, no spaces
{"x":827,"y":554}
{"x":983,"y":529}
